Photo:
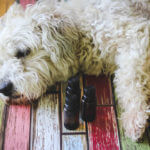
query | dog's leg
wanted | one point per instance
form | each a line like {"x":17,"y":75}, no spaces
{"x":130,"y":80}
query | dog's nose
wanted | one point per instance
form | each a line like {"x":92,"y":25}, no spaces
{"x":6,"y":88}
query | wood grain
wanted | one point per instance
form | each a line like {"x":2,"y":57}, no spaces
{"x":103,"y":133}
{"x":4,"y":5}
{"x":45,"y":124}
{"x":17,"y":128}
{"x":74,"y":142}
{"x":103,"y":88}
{"x":2,"y":122}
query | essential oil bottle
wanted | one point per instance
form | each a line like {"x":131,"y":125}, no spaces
{"x":88,"y":104}
{"x":72,"y":104}
{"x":71,"y":113}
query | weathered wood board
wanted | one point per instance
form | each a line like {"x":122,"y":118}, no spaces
{"x":103,"y":131}
{"x":74,"y":142}
{"x":4,"y":5}
{"x":17,"y":128}
{"x":2,"y":122}
{"x":45,"y":131}
{"x":103,"y":89}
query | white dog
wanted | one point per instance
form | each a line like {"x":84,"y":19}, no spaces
{"x":50,"y":42}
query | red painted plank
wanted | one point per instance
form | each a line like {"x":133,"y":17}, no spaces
{"x":25,"y":2}
{"x":103,"y":131}
{"x":103,"y":88}
{"x":17,"y":128}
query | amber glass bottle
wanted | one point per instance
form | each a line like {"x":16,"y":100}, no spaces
{"x":88,"y":104}
{"x":71,"y":113}
{"x":72,"y":104}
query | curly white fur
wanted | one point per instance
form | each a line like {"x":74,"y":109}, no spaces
{"x":110,"y":36}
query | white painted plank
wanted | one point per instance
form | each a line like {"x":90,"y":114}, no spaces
{"x":46,"y":132}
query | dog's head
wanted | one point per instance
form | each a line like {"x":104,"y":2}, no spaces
{"x":33,"y":51}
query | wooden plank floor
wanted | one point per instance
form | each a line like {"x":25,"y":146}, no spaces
{"x":4,"y":5}
{"x":40,"y":126}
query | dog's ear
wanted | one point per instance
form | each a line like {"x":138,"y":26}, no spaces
{"x":57,"y":34}
{"x":55,"y":27}
{"x":14,"y":11}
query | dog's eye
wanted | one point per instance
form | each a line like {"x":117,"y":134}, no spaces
{"x":24,"y":53}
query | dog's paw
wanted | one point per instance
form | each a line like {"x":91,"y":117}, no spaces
{"x":134,"y":124}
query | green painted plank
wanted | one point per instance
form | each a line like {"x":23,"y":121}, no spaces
{"x":126,"y":143}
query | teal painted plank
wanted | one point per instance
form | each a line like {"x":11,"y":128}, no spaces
{"x":74,"y":142}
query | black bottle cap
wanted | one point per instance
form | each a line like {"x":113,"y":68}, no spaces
{"x":90,"y":91}
{"x":73,"y":82}
{"x":72,"y":102}
{"x":70,"y":91}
